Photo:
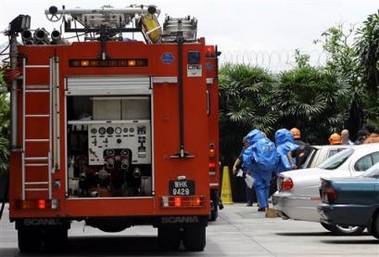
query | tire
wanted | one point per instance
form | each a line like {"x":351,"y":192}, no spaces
{"x":214,"y":211}
{"x":55,"y":239}
{"x":344,"y":230}
{"x":29,"y":240}
{"x":194,"y":238}
{"x":374,"y":229}
{"x":168,"y":238}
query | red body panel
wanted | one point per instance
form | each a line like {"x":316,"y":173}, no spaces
{"x":199,"y":128}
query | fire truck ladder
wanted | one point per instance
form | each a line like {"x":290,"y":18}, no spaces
{"x":40,"y":163}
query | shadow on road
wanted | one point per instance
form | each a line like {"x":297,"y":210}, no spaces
{"x":116,"y":246}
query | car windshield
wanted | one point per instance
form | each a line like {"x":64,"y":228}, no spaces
{"x":336,"y":160}
{"x":372,"y":172}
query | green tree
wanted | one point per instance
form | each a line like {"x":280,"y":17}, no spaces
{"x":245,"y":103}
{"x":342,"y":61}
{"x":310,"y":99}
{"x":367,"y":47}
{"x":4,"y":126}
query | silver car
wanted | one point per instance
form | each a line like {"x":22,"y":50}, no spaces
{"x":297,"y":194}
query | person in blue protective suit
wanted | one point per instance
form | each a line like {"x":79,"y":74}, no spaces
{"x":237,"y":166}
{"x":260,"y":159}
{"x":285,"y":145}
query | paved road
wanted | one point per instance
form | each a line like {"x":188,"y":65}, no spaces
{"x":239,"y":231}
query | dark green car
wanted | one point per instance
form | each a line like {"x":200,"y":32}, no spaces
{"x":352,"y":201}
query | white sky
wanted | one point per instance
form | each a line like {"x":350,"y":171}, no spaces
{"x":253,"y":29}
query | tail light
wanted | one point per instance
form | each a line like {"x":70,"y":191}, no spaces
{"x":328,"y":193}
{"x":183,"y":201}
{"x":286,"y":184}
{"x":212,"y":165}
{"x":40,"y":204}
{"x":211,"y":151}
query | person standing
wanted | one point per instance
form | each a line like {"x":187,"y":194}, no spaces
{"x":301,"y":153}
{"x":335,"y":139}
{"x":285,"y":145}
{"x":237,"y":166}
{"x":345,"y":137}
{"x":260,"y":159}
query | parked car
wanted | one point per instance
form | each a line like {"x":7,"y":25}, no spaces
{"x":351,"y":201}
{"x":316,"y":155}
{"x":320,"y":153}
{"x":297,"y":196}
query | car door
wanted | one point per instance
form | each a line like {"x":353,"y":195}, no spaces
{"x":364,"y":163}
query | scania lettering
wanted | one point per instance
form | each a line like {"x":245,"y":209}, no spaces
{"x":175,"y":220}
{"x":115,"y":123}
{"x":45,"y":222}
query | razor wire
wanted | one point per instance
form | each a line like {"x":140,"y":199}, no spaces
{"x":271,"y":60}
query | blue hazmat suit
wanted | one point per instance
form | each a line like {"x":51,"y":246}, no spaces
{"x":261,"y":175}
{"x":284,"y":144}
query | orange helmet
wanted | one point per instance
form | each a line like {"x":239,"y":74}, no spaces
{"x":335,"y":139}
{"x":296,"y":133}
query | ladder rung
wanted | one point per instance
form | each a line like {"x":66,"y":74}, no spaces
{"x":37,"y":115}
{"x":37,"y":66}
{"x":37,"y":89}
{"x":37,"y":183}
{"x":36,"y":158}
{"x":36,"y":189}
{"x":36,"y":164}
{"x":36,"y":140}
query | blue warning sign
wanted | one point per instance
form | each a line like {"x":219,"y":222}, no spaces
{"x":167,"y":58}
{"x":209,"y":66}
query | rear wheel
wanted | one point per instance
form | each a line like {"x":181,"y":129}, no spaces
{"x":168,"y":238}
{"x":343,"y":230}
{"x":29,"y":240}
{"x":214,"y":210}
{"x":194,"y":238}
{"x":55,"y":239}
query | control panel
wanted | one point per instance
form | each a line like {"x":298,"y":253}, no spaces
{"x":131,"y":137}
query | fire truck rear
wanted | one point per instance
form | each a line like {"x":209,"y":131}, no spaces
{"x":112,"y":130}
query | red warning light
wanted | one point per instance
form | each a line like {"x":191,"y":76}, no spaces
{"x":210,"y":51}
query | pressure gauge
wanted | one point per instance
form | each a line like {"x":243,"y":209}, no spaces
{"x":110,"y":130}
{"x":118,"y":130}
{"x":102,"y":130}
{"x":93,"y":130}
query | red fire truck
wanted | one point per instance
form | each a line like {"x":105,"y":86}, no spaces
{"x":112,"y":129}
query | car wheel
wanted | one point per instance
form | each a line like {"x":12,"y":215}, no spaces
{"x":374,"y":229}
{"x":343,"y":230}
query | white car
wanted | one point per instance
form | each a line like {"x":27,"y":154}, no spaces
{"x":320,"y":153}
{"x":297,"y":194}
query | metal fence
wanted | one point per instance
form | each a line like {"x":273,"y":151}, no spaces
{"x":271,"y":60}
